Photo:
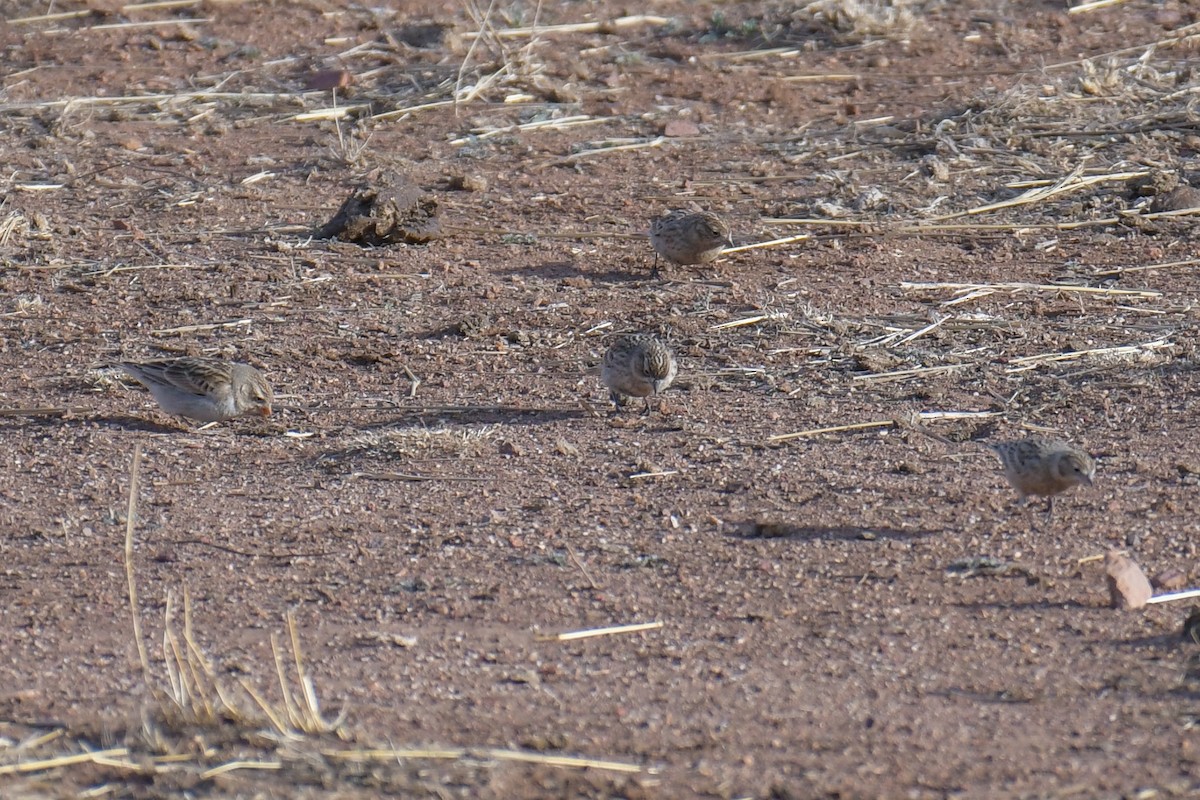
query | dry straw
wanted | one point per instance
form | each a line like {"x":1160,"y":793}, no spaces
{"x":640,"y":144}
{"x":608,"y":26}
{"x":1094,"y":5}
{"x":130,"y":522}
{"x":589,"y":633}
{"x":923,"y":416}
{"x":974,"y":291}
{"x":192,"y":699}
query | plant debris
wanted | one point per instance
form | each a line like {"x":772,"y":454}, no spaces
{"x":384,"y":212}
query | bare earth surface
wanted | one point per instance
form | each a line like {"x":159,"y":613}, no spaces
{"x":857,"y":613}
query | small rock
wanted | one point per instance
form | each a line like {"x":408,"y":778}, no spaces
{"x":1156,"y":184}
{"x":525,"y":676}
{"x":769,"y":529}
{"x":380,"y":637}
{"x":328,"y":79}
{"x":1169,"y":18}
{"x":680,"y":127}
{"x":1177,"y":199}
{"x":186,"y":33}
{"x":1127,"y":585}
{"x":552,"y":741}
{"x":105,"y":8}
{"x":467,"y":183}
{"x":474,"y":325}
{"x":1191,"y":626}
{"x":423,"y":35}
{"x":508,"y":448}
{"x":1171,"y":579}
{"x":873,"y":198}
{"x":935,"y":168}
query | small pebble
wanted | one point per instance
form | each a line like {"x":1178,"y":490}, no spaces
{"x":1127,"y":585}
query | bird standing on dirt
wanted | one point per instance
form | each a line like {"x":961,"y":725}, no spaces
{"x":1044,"y":467}
{"x":637,"y":365}
{"x":689,"y":237}
{"x":204,"y":389}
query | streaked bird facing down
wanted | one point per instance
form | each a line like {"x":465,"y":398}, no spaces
{"x":204,"y":389}
{"x":1044,"y":467}
{"x":637,"y":365}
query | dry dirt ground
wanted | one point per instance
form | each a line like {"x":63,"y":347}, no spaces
{"x":988,"y":244}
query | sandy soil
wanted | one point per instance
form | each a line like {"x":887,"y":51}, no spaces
{"x":443,"y":486}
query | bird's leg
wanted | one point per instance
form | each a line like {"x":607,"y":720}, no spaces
{"x":616,"y":399}
{"x":654,"y":273}
{"x":646,"y":410}
{"x":1027,"y":503}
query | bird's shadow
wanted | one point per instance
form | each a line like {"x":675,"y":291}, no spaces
{"x":1163,"y":641}
{"x":998,"y":697}
{"x":474,"y":415}
{"x":125,"y":422}
{"x":128,"y":422}
{"x":764,"y":529}
{"x":1027,"y":605}
{"x":559,"y":270}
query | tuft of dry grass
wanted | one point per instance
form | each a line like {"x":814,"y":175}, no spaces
{"x":25,"y":304}
{"x":14,"y":225}
{"x":199,"y":726}
{"x":426,"y":442}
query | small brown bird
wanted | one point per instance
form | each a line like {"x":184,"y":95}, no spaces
{"x":204,"y":389}
{"x":1044,"y":467}
{"x":637,"y":365}
{"x":689,"y":237}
